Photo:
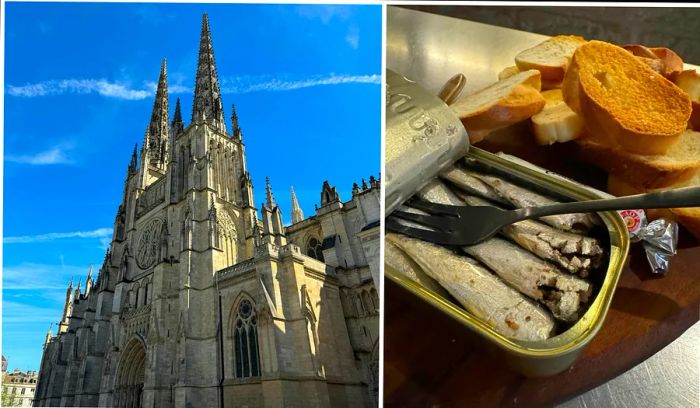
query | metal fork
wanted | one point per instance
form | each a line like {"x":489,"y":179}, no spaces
{"x":469,"y":225}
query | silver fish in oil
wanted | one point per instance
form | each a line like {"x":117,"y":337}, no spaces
{"x":479,"y":291}
{"x":574,"y":253}
{"x":401,"y":263}
{"x":565,"y":295}
{"x":502,"y":191}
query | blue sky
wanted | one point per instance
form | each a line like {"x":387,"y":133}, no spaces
{"x":79,"y":87}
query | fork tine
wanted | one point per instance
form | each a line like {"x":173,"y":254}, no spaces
{"x":435,"y":208}
{"x":434,"y":221}
{"x":436,"y":237}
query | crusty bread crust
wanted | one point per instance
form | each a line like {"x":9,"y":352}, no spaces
{"x":504,"y":103}
{"x":623,"y":101}
{"x":680,"y":163}
{"x":551,"y":57}
{"x":508,"y":72}
{"x":662,"y":60}
{"x":556,"y":122}
{"x":689,"y":81}
{"x":673,"y":64}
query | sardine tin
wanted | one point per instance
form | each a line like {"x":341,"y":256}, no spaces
{"x":556,"y":354}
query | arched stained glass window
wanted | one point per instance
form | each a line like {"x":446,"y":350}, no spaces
{"x":245,"y":341}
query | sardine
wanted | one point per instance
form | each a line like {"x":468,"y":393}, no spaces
{"x":473,"y":185}
{"x":575,"y":253}
{"x":497,"y":189}
{"x":565,"y":295}
{"x":479,"y":291}
{"x":437,"y":192}
{"x":401,"y":263}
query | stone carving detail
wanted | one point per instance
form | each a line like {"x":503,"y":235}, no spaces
{"x":151,"y":198}
{"x":148,"y":247}
{"x":329,"y":194}
{"x":236,"y":269}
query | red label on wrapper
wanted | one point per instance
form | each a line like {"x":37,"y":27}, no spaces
{"x":633,"y":219}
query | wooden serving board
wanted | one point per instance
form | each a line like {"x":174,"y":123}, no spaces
{"x":430,"y":360}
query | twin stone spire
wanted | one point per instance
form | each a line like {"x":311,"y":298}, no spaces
{"x":207,"y":105}
{"x":206,"y":108}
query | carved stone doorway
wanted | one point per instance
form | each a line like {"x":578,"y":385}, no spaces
{"x":130,"y":375}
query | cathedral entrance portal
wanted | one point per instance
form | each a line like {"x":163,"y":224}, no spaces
{"x":130,"y":375}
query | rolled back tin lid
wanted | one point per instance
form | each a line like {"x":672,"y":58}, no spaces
{"x":423,"y":137}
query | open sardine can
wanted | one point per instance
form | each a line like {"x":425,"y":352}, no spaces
{"x":555,"y":354}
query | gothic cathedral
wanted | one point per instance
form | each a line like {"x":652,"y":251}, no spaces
{"x":199,"y":303}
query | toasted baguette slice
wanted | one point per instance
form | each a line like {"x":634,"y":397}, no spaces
{"x":508,"y":72}
{"x":688,"y":217}
{"x":662,"y":60}
{"x":673,"y":64}
{"x":556,"y":122}
{"x":678,"y":164}
{"x":509,"y":101}
{"x":689,"y":81}
{"x":551,"y":57}
{"x":623,"y":100}
{"x":640,"y":51}
{"x":654,"y":63}
{"x":546,"y":84}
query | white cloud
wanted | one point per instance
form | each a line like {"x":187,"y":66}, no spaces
{"x":33,"y":276}
{"x":98,"y":233}
{"x":240,"y":84}
{"x":172,"y":89}
{"x":23,"y":313}
{"x":79,"y":86}
{"x":56,"y":155}
{"x":353,"y":37}
{"x":324,"y":12}
{"x":246,"y":84}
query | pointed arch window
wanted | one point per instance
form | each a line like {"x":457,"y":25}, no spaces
{"x":245,"y":341}
{"x":315,"y":249}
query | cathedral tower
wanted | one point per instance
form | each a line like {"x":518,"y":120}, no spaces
{"x":198,"y":302}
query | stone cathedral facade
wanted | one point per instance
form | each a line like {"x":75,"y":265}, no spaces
{"x":202,"y":303}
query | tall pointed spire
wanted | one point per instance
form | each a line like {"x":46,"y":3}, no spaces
{"x":157,"y":132}
{"x":48,"y":335}
{"x":132,"y":163}
{"x":178,"y":125}
{"x":235,"y":128}
{"x":63,"y":326}
{"x":88,"y":282}
{"x":297,"y":214}
{"x":207,"y":105}
{"x":270,"y":199}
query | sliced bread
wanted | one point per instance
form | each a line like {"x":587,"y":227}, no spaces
{"x":508,"y":72}
{"x":688,"y":217}
{"x":556,"y":122}
{"x":689,"y":81}
{"x":673,"y":64}
{"x":623,"y":101}
{"x":680,"y":162}
{"x":546,"y":84}
{"x":504,"y":103}
{"x":662,"y":60}
{"x":551,"y":57}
